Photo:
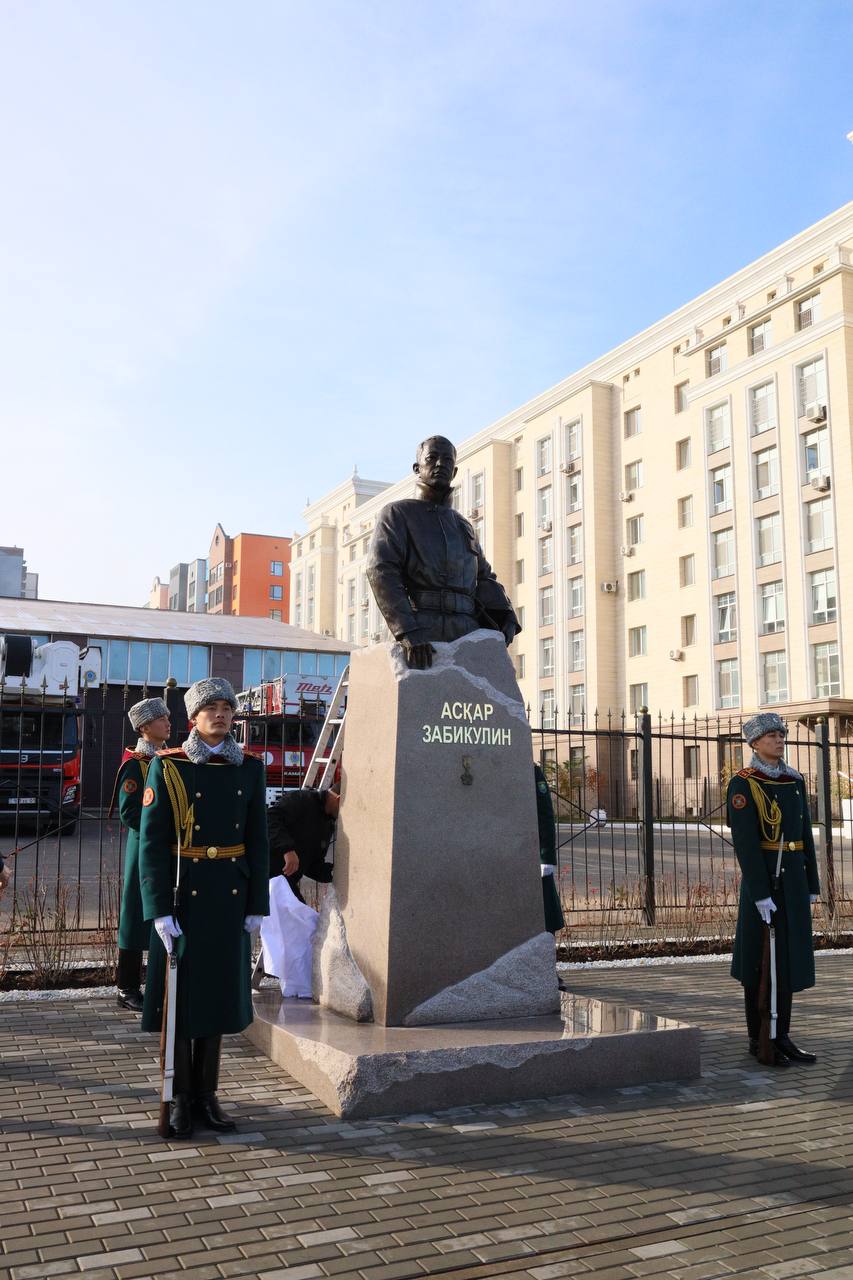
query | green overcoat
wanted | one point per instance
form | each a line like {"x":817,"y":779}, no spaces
{"x":762,"y":810}
{"x":133,"y":932}
{"x":554,"y":919}
{"x":224,"y":877}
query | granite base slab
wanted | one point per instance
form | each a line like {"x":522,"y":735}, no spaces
{"x":363,"y":1069}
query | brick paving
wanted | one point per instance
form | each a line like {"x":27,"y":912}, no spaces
{"x":747,"y":1172}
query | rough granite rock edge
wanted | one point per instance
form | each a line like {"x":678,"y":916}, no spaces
{"x":337,"y":983}
{"x":520,"y":983}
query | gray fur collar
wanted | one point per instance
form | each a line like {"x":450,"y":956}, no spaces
{"x":145,"y":748}
{"x":780,"y":770}
{"x":199,"y":752}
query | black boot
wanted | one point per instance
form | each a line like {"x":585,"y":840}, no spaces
{"x":129,"y":980}
{"x":792,"y":1053}
{"x":181,"y":1117}
{"x":783,"y":1038}
{"x":779,"y":1058}
{"x":208,"y":1112}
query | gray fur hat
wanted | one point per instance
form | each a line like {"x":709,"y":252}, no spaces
{"x":764,"y":722}
{"x":211,"y":690}
{"x":145,"y":711}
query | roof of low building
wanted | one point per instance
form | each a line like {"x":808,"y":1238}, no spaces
{"x":53,"y":617}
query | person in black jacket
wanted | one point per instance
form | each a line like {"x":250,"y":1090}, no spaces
{"x":301,"y":826}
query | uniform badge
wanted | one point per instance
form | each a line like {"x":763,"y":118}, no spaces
{"x":129,"y":787}
{"x":148,"y":796}
{"x":738,"y":801}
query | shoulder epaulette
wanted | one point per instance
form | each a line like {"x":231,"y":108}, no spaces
{"x":745,"y":773}
{"x":133,"y":755}
{"x":253,"y":755}
{"x":175,"y":752}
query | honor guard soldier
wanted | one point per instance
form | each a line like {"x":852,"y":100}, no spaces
{"x":150,"y":719}
{"x":208,"y":801}
{"x":768,"y":808}
{"x":554,"y":919}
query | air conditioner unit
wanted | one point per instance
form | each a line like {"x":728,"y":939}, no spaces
{"x":365,"y":601}
{"x":816,"y":412}
{"x":821,"y":483}
{"x":376,"y":637}
{"x":475,"y":512}
{"x":627,"y":495}
{"x":609,"y":587}
{"x":676,"y":654}
{"x":545,"y":526}
{"x":627,"y":551}
{"x":569,"y":468}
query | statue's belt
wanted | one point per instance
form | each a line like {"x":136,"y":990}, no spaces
{"x":444,"y":601}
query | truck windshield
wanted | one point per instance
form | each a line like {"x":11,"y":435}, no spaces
{"x":31,"y":730}
{"x":275,"y":732}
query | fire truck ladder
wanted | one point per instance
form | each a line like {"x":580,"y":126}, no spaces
{"x":321,"y":770}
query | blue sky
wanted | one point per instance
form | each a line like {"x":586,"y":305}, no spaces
{"x":246,"y":246}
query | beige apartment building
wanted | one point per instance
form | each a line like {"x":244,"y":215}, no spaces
{"x":674,"y":521}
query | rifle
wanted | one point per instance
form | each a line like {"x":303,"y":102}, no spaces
{"x":170,"y":994}
{"x":768,"y":987}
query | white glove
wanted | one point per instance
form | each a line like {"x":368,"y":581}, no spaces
{"x":251,"y":923}
{"x":547,"y":869}
{"x":813,"y":897}
{"x":167,"y":928}
{"x":764,"y":908}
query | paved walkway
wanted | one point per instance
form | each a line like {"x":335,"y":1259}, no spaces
{"x":746,"y":1172}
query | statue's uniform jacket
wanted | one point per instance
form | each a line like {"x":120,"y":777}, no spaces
{"x":216,"y":893}
{"x":133,"y":932}
{"x":799,"y":878}
{"x":426,"y":546}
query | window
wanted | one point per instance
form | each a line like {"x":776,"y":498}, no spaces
{"x":637,"y":585}
{"x":634,"y":474}
{"x":574,"y":543}
{"x":683,"y":454}
{"x":143,"y":662}
{"x":716,"y":360}
{"x":721,"y":489}
{"x":519,"y":478}
{"x":543,"y":507}
{"x":576,"y":651}
{"x":686,"y":570}
{"x":546,"y":656}
{"x":768,"y":538}
{"x":811,"y":386}
{"x":546,"y":606}
{"x":725,"y":613}
{"x":633,"y":423}
{"x":577,"y":703}
{"x":519,"y":571}
{"x":774,"y":677}
{"x":762,"y":407}
{"x":825,"y":670}
{"x":688,"y":630}
{"x":771,"y":605}
{"x":275,"y":591}
{"x":823,"y":604}
{"x":808,"y":311}
{"x":574,"y":492}
{"x":685,"y":512}
{"x":690,"y":698}
{"x":546,"y":555}
{"x":276,"y":568}
{"x":692,"y":754}
{"x":681,"y":397}
{"x":717,"y":427}
{"x":728,"y":683}
{"x":477,"y":491}
{"x":759,"y":336}
{"x":636,"y":642}
{"x":575,"y":597}
{"x":519,"y":666}
{"x":816,"y":453}
{"x":275,"y":615}
{"x":635,"y":529}
{"x":519,"y":525}
{"x":638,"y":697}
{"x":573,"y":439}
{"x":543,"y":456}
{"x":548,"y":710}
{"x":766,"y":471}
{"x":819,"y":525}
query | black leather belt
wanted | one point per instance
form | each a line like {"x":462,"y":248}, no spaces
{"x":444,"y":601}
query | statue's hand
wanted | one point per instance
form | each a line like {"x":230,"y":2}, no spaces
{"x":418,"y":656}
{"x":510,"y":630}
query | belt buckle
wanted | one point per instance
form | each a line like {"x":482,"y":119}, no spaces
{"x":213,"y":852}
{"x":792,"y":844}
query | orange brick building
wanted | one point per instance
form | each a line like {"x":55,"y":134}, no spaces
{"x":249,"y":575}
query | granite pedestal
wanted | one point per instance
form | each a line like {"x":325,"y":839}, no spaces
{"x":361,"y":1070}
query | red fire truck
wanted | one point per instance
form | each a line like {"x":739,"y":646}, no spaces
{"x":281,"y":721}
{"x":40,"y":730}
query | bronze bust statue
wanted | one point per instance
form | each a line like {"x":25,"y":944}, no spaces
{"x":427,"y":569}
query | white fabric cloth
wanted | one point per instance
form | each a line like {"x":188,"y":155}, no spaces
{"x":765,"y":907}
{"x":251,"y":923}
{"x":547,"y":869}
{"x":287,"y":935}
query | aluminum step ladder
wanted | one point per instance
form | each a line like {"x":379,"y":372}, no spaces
{"x":321,"y":769}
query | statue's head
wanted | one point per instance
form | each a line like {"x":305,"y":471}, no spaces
{"x":436,"y":464}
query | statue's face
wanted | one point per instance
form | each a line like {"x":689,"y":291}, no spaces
{"x":436,"y":464}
